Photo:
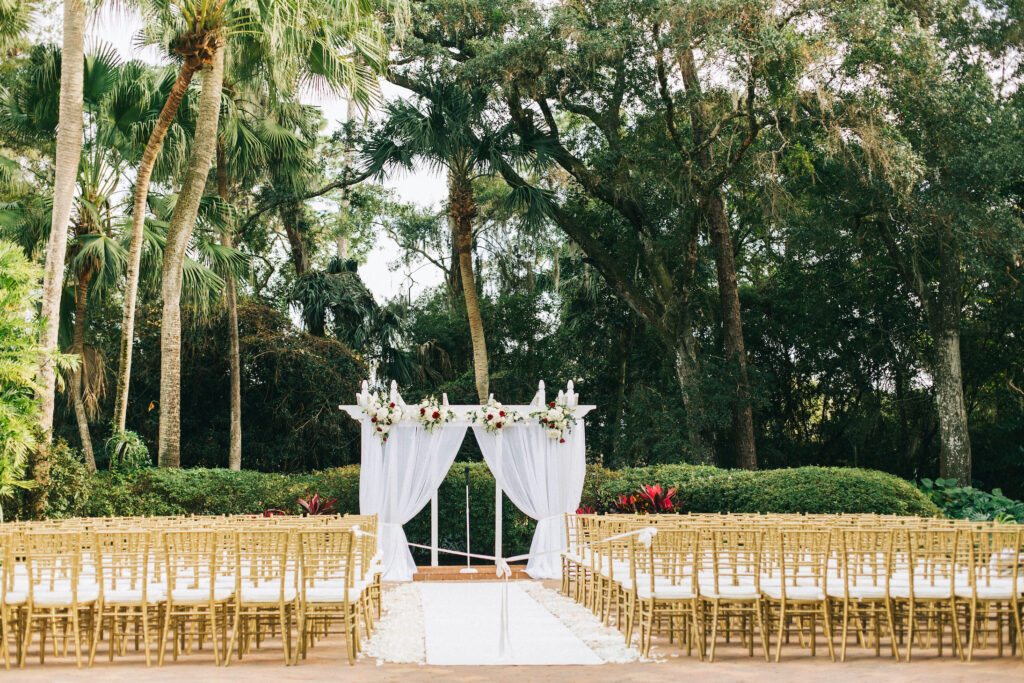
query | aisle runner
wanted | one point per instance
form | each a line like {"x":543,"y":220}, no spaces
{"x":461,"y":627}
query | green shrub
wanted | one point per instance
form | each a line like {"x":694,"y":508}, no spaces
{"x":802,"y":489}
{"x":700,"y":489}
{"x":127,"y":453}
{"x":967,"y":502}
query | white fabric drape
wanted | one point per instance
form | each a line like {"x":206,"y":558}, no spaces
{"x":543,"y":478}
{"x":397,"y":478}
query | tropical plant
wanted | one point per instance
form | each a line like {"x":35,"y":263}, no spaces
{"x":967,"y":502}
{"x":127,"y":453}
{"x":315,"y":505}
{"x":648,"y":499}
{"x":446,"y":127}
{"x":338,"y":45}
{"x":20,"y":354}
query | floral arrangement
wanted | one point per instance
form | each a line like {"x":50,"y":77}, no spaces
{"x":431,"y":414}
{"x":493,"y":416}
{"x":383,"y":414}
{"x":647,"y":500}
{"x":557,"y":418}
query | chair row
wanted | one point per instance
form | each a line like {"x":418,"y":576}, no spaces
{"x":232,"y":582}
{"x":906,"y":583}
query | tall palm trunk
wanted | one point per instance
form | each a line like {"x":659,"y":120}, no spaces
{"x":462,"y":205}
{"x":131,"y":290}
{"x":178,"y":233}
{"x":78,"y":347}
{"x":68,"y":154}
{"x":234,"y":355}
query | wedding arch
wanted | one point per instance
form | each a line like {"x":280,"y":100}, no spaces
{"x":537,"y":453}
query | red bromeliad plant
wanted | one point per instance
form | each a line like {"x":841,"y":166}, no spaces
{"x":315,"y":505}
{"x":647,"y":500}
{"x":585,"y":510}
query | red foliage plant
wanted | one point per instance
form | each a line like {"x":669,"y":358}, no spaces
{"x":647,"y":500}
{"x":315,"y":505}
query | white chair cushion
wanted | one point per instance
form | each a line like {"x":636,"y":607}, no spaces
{"x":858,"y":592}
{"x":42,"y":596}
{"x":664,"y":592}
{"x":922,"y":592}
{"x":133,"y":596}
{"x":198,"y":596}
{"x":267,"y":593}
{"x":16,"y":596}
{"x":995,"y":590}
{"x":797,"y":593}
{"x":730,"y":592}
{"x":328,"y":592}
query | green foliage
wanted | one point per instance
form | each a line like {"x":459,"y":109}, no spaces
{"x":68,"y":489}
{"x":292,"y":384}
{"x":803,"y":489}
{"x":127,"y":453}
{"x":967,"y":502}
{"x":700,"y":489}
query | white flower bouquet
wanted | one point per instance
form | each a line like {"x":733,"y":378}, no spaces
{"x":383,"y":413}
{"x":430,"y":413}
{"x":494,"y":416}
{"x":557,"y":419}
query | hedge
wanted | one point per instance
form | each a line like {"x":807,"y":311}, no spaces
{"x":700,"y":489}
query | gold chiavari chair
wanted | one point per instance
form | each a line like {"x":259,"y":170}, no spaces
{"x":57,"y":594}
{"x":922,"y":585}
{"x":326,"y":588}
{"x":266,"y":588}
{"x":13,"y":593}
{"x":860,"y":589}
{"x":664,"y":580}
{"x":993,"y":586}
{"x":793,"y":581}
{"x":730,"y":585}
{"x":131,"y":589}
{"x":200,"y":590}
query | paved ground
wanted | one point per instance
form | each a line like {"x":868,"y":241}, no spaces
{"x":327,"y":661}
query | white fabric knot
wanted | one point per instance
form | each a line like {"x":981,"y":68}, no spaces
{"x":646,"y":536}
{"x":503,"y":570}
{"x":357,"y":531}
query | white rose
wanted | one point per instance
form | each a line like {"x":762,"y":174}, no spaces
{"x":383,"y":427}
{"x":555,"y":414}
{"x":554,"y":433}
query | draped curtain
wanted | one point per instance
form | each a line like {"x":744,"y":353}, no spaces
{"x":397,"y":479}
{"x":544,"y":479}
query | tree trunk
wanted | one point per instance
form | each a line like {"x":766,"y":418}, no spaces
{"x":686,"y":370}
{"x":291,"y":218}
{"x":78,"y":347}
{"x":234,"y":355}
{"x":463,"y":210}
{"x":68,"y":155}
{"x":955,"y":440}
{"x":732,"y":328}
{"x":131,"y":289}
{"x":178,"y":233}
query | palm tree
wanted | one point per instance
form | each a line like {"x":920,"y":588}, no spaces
{"x":67,"y":156}
{"x":446,"y":128}
{"x":317,"y":40}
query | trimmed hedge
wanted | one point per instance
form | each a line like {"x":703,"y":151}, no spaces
{"x":794,"y":490}
{"x":700,"y":489}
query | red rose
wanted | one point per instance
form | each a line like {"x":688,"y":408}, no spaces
{"x":373,"y":419}
{"x":501,"y":413}
{"x":423,"y":411}
{"x":489,"y":416}
{"x":551,"y":405}
{"x":561,"y":441}
{"x":498,"y":425}
{"x":379,"y":429}
{"x":435,"y":415}
{"x":392,"y":405}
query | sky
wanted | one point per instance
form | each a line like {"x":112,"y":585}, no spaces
{"x":120,"y":28}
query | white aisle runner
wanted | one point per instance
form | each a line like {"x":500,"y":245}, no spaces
{"x":461,"y":627}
